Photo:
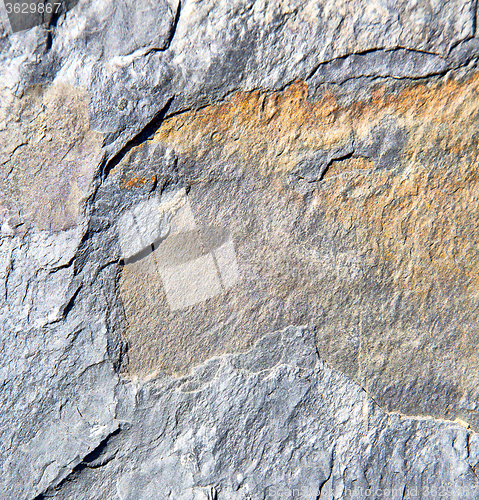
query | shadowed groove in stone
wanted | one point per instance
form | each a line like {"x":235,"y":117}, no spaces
{"x":184,"y":247}
{"x":194,"y":263}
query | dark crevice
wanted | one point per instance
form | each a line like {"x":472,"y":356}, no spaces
{"x":450,"y":60}
{"x":49,"y":40}
{"x":174,"y":26}
{"x":186,"y":109}
{"x":465,"y":40}
{"x":69,"y":305}
{"x":50,"y":30}
{"x":52,"y":22}
{"x":435,"y":74}
{"x":95,"y":459}
{"x":474,"y":18}
{"x":366,"y":52}
{"x":337,"y":157}
{"x":344,"y":157}
{"x":145,"y":134}
{"x":171,"y":35}
{"x":321,"y":486}
{"x":458,"y":43}
{"x":227,"y":96}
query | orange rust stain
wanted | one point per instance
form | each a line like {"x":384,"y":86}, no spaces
{"x":268,"y":130}
{"x":421,"y":222}
{"x":274,"y":130}
{"x":137,"y":182}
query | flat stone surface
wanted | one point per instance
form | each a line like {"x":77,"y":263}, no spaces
{"x":357,"y":219}
{"x":48,"y":155}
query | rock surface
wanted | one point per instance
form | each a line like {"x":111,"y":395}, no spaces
{"x":246,"y":426}
{"x":356,"y":218}
{"x":238,"y":253}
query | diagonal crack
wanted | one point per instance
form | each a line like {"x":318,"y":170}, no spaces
{"x":474,"y":18}
{"x":174,"y":26}
{"x":98,"y":457}
{"x":169,"y":40}
{"x":326,"y":480}
{"x":145,"y":133}
{"x":459,"y":56}
{"x":375,"y":50}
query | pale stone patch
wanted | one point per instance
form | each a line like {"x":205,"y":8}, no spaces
{"x":192,"y":282}
{"x":227,"y":264}
{"x":140,"y":227}
{"x":195,"y":264}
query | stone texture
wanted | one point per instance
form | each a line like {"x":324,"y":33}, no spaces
{"x":247,"y":426}
{"x":327,"y":151}
{"x":48,"y":155}
{"x":57,"y":377}
{"x":357,"y":218}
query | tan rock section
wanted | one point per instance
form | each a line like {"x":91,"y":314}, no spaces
{"x":48,"y":155}
{"x":380,"y":254}
{"x":274,"y":130}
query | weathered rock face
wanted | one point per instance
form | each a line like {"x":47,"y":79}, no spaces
{"x":247,"y":426}
{"x":356,"y":218}
{"x":49,"y":155}
{"x":239,"y":250}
